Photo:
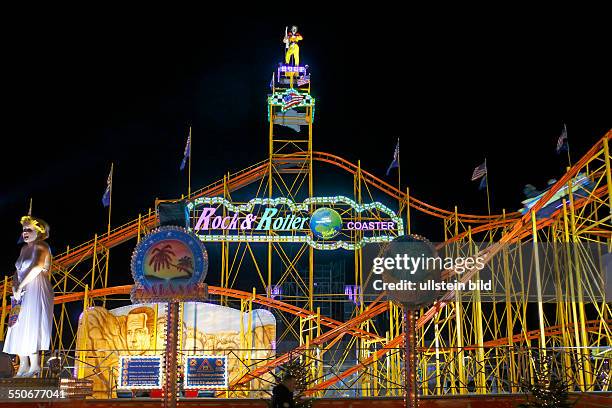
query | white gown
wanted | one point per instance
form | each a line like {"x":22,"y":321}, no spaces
{"x":32,"y":331}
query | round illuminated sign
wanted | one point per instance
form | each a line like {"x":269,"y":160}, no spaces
{"x":169,"y":259}
{"x":325,"y":223}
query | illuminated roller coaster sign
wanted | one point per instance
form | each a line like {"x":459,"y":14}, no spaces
{"x":325,"y":223}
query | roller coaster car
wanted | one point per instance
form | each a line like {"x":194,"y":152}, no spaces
{"x":581,"y":187}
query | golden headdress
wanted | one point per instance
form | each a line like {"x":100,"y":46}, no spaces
{"x":39,"y":225}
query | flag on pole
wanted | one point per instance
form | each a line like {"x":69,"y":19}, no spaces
{"x":303,"y":80}
{"x":187,"y":152}
{"x":107,"y":193}
{"x":395,"y":162}
{"x":292,"y":99}
{"x":272,"y":82}
{"x":483,"y":183}
{"x":562,"y":143}
{"x":480,"y":171}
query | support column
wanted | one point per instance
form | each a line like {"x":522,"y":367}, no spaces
{"x":536,"y":256}
{"x":170,"y":360}
{"x":410,"y":359}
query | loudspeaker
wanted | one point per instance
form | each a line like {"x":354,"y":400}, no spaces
{"x":175,"y":213}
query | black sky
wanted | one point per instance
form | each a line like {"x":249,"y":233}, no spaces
{"x":82,"y":93}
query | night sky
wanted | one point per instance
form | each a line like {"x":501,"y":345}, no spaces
{"x":83,"y":93}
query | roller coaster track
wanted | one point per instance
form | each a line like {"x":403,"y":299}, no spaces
{"x":518,"y":233}
{"x":518,"y":227}
{"x":245,"y":177}
{"x":415,"y":203}
{"x":521,"y":228}
{"x":257,"y":171}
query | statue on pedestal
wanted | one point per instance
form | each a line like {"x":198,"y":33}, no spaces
{"x":30,"y":332}
{"x":291,"y":45}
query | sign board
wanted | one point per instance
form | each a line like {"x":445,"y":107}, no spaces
{"x":169,"y":265}
{"x":205,"y":372}
{"x":325,"y":223}
{"x":140,"y":372}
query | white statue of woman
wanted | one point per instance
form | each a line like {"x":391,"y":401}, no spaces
{"x":32,"y":331}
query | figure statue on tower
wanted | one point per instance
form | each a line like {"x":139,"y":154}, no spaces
{"x":31,"y":323}
{"x":292,"y":49}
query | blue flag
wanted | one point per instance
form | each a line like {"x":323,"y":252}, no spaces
{"x":483,"y":183}
{"x":395,"y":162}
{"x":187,"y":151}
{"x":272,"y":83}
{"x":107,"y":193}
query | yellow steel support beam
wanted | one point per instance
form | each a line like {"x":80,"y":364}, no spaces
{"x":538,"y":277}
{"x":4,"y":308}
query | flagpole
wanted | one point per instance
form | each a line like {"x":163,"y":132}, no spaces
{"x":569,"y":159}
{"x":108,"y":229}
{"x":488,"y":199}
{"x":399,"y":177}
{"x":189,"y":170}
{"x":110,"y":201}
{"x":487,"y":184}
